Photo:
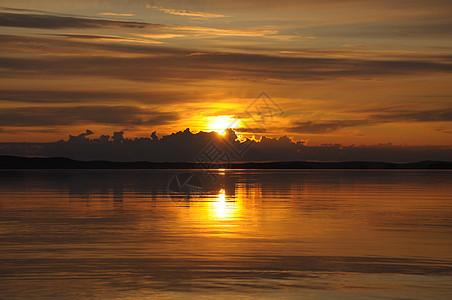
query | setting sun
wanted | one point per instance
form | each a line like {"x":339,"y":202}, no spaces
{"x":221,"y":123}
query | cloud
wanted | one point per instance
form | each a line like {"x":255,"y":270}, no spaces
{"x":88,"y":36}
{"x":99,"y":37}
{"x":226,"y":31}
{"x":431,"y":115}
{"x":118,"y":136}
{"x":176,"y":64}
{"x":80,"y":96}
{"x":372,"y":54}
{"x":187,"y":13}
{"x":79,"y":45}
{"x":327,"y":126}
{"x":166,"y":62}
{"x":52,"y":21}
{"x":443,"y":129}
{"x":115,"y":14}
{"x":389,"y":29}
{"x":250,"y":130}
{"x":160,"y":35}
{"x":24,"y":10}
{"x":85,"y":44}
{"x":81,"y":115}
{"x":167,"y":148}
{"x":45,"y":21}
{"x":324,"y":126}
{"x":81,"y":137}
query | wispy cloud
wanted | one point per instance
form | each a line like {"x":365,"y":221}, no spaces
{"x":80,"y":45}
{"x":99,"y":114}
{"x":324,"y":126}
{"x":226,"y":31}
{"x":160,"y":35}
{"x":431,"y":115}
{"x":367,"y":54}
{"x":187,"y":13}
{"x":54,"y":22}
{"x":165,"y":64}
{"x":115,"y":14}
{"x":106,"y":37}
{"x":327,"y":126}
{"x":49,"y":96}
{"x":47,"y":21}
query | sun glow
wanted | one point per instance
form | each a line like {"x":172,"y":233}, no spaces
{"x":221,"y":123}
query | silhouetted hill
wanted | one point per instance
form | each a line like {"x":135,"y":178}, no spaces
{"x":17,"y":162}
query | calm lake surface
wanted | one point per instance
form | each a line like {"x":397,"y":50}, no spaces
{"x":284,"y":234}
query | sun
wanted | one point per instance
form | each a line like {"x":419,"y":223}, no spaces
{"x":221,"y":123}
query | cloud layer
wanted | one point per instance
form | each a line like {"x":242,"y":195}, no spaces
{"x":334,"y":67}
{"x":211,"y":147}
{"x":106,"y":115}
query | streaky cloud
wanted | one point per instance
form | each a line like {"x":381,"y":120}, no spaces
{"x":187,"y":13}
{"x":90,"y":96}
{"x":43,"y":21}
{"x":115,"y":14}
{"x":89,"y":114}
{"x":406,"y":116}
{"x":173,"y":65}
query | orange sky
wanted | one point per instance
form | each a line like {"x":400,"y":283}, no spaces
{"x":349,"y":72}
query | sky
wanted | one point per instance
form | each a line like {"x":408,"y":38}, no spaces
{"x":334,"y":72}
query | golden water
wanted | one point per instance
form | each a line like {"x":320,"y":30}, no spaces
{"x":116,"y":234}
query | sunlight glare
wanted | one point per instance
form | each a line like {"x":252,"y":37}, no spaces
{"x":221,"y":123}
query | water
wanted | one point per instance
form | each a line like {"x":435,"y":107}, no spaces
{"x":284,"y":234}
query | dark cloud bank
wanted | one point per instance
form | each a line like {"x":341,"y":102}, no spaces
{"x":46,"y":21}
{"x":189,"y":147}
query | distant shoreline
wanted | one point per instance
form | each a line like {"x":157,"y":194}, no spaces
{"x":18,"y":162}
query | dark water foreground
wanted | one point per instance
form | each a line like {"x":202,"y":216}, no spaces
{"x":285,"y":234}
